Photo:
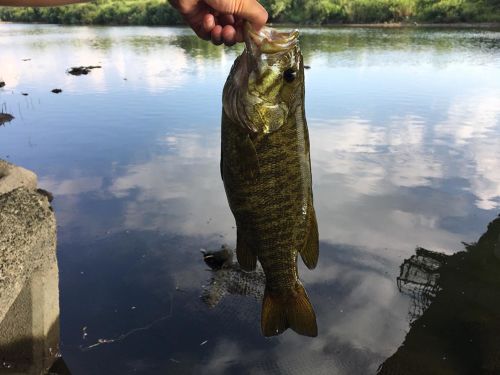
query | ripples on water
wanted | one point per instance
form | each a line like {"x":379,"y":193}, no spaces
{"x":404,"y":128}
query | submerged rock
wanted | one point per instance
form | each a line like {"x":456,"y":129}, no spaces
{"x":5,"y":118}
{"x":229,"y":278}
{"x":82,"y":70}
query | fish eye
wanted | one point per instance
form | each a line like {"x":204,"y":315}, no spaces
{"x":289,"y":75}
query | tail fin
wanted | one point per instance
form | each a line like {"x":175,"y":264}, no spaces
{"x":295,"y":312}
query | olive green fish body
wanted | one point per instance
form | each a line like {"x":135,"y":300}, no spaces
{"x":267,"y":178}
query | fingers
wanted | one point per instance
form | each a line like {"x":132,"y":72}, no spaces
{"x":216,"y":35}
{"x":228,"y":35}
{"x":221,"y":21}
{"x":226,"y":19}
{"x":208,"y":23}
{"x":250,"y":10}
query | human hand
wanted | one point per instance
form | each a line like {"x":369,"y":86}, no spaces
{"x":221,"y":20}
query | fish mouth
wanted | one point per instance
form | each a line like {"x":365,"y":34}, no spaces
{"x":268,"y":40}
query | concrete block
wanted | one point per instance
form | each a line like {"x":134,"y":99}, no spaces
{"x":13,"y":177}
{"x":29,"y":291}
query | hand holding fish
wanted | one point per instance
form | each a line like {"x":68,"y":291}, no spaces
{"x":221,"y":21}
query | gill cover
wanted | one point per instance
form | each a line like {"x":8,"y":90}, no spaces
{"x":260,"y":89}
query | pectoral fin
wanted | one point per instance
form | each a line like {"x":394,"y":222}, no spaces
{"x":310,"y":251}
{"x":246,"y":258}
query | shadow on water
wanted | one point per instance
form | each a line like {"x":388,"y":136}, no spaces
{"x":455,"y":311}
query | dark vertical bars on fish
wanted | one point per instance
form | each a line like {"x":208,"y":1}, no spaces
{"x":266,"y":169}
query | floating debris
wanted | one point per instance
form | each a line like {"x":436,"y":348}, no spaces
{"x":2,"y":83}
{"x":307,"y":67}
{"x":26,"y":59}
{"x":56,"y":91}
{"x":24,"y":94}
{"x":204,"y":342}
{"x":123,"y":336}
{"x":79,"y":70}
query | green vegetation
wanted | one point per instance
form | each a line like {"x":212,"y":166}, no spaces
{"x":100,"y":12}
{"x":158,"y":12}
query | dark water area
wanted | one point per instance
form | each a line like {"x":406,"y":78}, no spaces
{"x":405,"y":135}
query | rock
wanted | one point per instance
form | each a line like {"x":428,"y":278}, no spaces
{"x":13,"y":177}
{"x":228,"y":278}
{"x":82,"y":70}
{"x":218,"y":259}
{"x":5,"y":118}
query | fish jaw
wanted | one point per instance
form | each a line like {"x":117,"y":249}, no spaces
{"x":259,"y":94}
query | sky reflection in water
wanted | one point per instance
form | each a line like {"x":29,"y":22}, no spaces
{"x":404,"y":128}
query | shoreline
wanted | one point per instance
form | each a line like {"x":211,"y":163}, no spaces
{"x":391,"y":25}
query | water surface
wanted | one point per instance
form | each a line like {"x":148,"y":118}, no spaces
{"x":405,"y":133}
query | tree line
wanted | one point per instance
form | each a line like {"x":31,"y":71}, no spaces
{"x":159,"y":12}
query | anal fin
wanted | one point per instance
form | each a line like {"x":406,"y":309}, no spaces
{"x":246,"y":258}
{"x":310,"y":251}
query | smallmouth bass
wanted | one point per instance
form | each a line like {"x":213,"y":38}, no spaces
{"x":266,"y":170}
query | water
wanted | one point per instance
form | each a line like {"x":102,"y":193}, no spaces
{"x":404,"y":128}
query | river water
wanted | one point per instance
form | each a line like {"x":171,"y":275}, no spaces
{"x":405,"y":136}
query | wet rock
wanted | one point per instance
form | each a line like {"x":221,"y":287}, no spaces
{"x":56,"y":91}
{"x":5,"y":118}
{"x":82,"y":70}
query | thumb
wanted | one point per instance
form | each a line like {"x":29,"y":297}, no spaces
{"x":250,"y":10}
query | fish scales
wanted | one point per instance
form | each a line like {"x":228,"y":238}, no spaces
{"x":266,"y":169}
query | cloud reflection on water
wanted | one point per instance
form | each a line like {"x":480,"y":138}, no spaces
{"x":396,"y":163}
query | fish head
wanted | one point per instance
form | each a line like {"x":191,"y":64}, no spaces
{"x":266,"y":81}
